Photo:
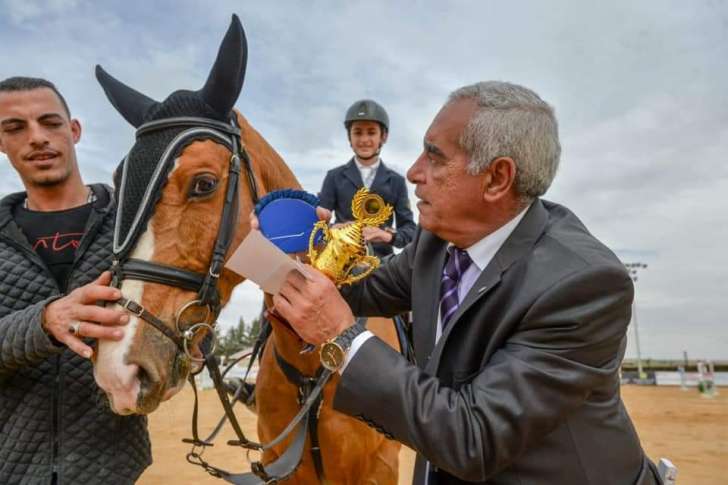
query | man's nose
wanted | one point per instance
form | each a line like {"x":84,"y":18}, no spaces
{"x":415,"y":174}
{"x":38,"y":136}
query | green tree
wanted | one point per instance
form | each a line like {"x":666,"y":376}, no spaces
{"x":238,"y":338}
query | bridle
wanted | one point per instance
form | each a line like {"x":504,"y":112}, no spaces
{"x":205,"y":284}
{"x":208,"y":295}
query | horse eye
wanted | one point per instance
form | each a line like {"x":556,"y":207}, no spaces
{"x":203,"y":185}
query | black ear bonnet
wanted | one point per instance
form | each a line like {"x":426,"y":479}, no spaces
{"x":140,"y":178}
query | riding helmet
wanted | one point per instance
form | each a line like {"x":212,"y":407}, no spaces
{"x":366,"y":110}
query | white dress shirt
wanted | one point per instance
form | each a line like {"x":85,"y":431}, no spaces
{"x":367,"y":172}
{"x":482,"y":252}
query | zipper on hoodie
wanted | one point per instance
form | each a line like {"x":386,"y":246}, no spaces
{"x":95,"y":219}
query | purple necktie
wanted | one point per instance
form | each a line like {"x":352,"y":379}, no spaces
{"x":457,"y":263}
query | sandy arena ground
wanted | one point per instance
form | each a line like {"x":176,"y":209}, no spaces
{"x":690,"y":430}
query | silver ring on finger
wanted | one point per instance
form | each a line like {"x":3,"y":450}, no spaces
{"x":74,"y":328}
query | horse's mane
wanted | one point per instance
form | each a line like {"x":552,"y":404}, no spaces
{"x":267,"y":163}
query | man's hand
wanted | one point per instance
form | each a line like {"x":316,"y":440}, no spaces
{"x":375,"y":234}
{"x":79,"y":309}
{"x":313,"y":306}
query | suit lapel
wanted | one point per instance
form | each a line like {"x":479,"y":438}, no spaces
{"x":517,"y":246}
{"x":352,"y":173}
{"x":488,"y":279}
{"x":424,"y":335}
{"x":380,"y":177}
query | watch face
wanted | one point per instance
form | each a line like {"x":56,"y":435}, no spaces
{"x":332,"y":356}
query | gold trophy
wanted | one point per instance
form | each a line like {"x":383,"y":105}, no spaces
{"x":344,"y":257}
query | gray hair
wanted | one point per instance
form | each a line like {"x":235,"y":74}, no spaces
{"x":512,"y":121}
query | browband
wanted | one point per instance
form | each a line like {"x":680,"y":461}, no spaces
{"x":194,"y":121}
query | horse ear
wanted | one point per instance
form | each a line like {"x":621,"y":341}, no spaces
{"x":130,"y":103}
{"x":228,"y":73}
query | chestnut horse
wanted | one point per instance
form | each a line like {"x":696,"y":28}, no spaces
{"x":170,"y":201}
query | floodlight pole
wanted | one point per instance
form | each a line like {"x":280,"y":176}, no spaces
{"x":632,"y":268}
{"x":640,"y":370}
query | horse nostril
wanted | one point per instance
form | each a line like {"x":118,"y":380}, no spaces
{"x":148,"y":377}
{"x":144,"y":380}
{"x":148,"y":380}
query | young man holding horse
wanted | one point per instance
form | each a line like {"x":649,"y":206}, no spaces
{"x":55,"y":244}
{"x":520,"y":314}
{"x":367,"y":127}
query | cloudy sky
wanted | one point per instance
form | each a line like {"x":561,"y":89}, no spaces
{"x":639,"y":90}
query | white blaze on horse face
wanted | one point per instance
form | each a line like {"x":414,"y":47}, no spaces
{"x":113,"y":374}
{"x":117,"y":378}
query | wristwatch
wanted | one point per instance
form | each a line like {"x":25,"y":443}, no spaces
{"x":333,"y":352}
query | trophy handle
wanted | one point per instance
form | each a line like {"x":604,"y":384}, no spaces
{"x":313,"y":254}
{"x":371,"y":262}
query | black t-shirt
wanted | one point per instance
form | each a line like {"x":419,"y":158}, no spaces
{"x":55,"y":235}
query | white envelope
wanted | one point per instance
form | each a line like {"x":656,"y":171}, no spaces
{"x":260,"y":261}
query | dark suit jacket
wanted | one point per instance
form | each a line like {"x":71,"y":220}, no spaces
{"x":523,"y":387}
{"x":340,"y":185}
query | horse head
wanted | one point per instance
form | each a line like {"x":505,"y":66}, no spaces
{"x":183,"y":192}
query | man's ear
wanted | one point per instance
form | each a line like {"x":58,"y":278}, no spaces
{"x":76,"y":130}
{"x":385,"y":135}
{"x":499,"y":178}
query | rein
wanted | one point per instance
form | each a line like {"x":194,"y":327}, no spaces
{"x":205,"y":284}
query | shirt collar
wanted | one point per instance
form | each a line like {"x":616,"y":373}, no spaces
{"x":361,"y":166}
{"x":483,"y":251}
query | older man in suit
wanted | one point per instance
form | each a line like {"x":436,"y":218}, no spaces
{"x":520,"y":314}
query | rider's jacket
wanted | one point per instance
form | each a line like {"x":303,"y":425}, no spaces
{"x":340,"y":185}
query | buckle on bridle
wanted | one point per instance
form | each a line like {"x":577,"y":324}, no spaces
{"x":235,"y":163}
{"x":133,"y":307}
